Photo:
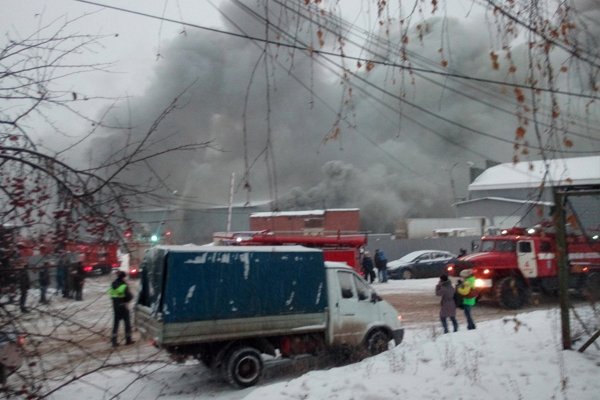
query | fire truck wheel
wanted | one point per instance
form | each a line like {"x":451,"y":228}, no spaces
{"x":511,"y":292}
{"x":591,"y":289}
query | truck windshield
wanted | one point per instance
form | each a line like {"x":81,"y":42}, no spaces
{"x":498,"y":245}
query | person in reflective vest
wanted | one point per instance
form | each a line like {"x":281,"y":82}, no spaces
{"x":120,"y":295}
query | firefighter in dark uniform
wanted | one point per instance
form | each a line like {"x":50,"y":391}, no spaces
{"x":120,"y":295}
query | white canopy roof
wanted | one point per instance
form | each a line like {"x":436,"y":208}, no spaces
{"x":530,"y":174}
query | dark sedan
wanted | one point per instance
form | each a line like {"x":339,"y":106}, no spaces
{"x":420,"y":264}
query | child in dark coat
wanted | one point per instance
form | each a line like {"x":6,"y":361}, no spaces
{"x":445,"y":290}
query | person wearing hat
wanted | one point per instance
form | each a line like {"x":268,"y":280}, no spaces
{"x":467,"y":290}
{"x":120,"y":295}
{"x":368,"y":267}
{"x":445,"y":290}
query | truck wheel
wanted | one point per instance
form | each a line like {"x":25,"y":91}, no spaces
{"x":243,"y":367}
{"x":377,"y":342}
{"x":407,"y":274}
{"x":591,"y":288}
{"x":511,"y":292}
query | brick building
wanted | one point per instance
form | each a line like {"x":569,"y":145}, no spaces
{"x":310,"y":222}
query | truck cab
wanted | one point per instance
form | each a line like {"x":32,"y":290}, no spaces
{"x":358,"y":313}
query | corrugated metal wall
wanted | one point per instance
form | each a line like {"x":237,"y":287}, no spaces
{"x":396,"y":248}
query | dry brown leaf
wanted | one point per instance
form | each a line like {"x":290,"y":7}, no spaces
{"x":519,"y":95}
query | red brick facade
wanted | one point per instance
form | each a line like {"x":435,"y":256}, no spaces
{"x":331,"y":221}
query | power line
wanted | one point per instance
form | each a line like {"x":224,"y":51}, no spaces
{"x":345,"y":56}
{"x":412,"y":104}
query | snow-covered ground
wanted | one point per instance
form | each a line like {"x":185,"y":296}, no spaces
{"x":517,"y":357}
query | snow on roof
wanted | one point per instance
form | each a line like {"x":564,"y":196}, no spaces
{"x":529,"y":174}
{"x":299,"y":213}
{"x":235,"y":249}
{"x":507,"y":200}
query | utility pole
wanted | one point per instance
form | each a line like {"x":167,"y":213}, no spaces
{"x":229,"y":211}
{"x":563,"y":266}
{"x":452,"y":185}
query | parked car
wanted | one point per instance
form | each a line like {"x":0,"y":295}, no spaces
{"x":420,"y":264}
{"x":11,"y":354}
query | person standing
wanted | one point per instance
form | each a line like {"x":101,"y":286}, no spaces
{"x":467,"y":290}
{"x":445,"y":290}
{"x":368,"y":267}
{"x":381,"y":265}
{"x":60,"y":277}
{"x":24,"y":285}
{"x":120,"y":295}
{"x":44,"y":281}
{"x":78,"y":280}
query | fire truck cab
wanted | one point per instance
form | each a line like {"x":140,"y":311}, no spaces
{"x":510,"y":265}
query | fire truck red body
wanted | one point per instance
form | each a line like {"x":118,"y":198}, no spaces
{"x":98,"y":257}
{"x":342,"y":248}
{"x":509,"y":266}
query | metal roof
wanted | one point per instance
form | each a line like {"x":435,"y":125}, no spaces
{"x":531,"y":174}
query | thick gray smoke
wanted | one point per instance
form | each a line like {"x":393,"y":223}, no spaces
{"x":390,"y":165}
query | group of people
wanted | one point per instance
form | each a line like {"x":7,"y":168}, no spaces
{"x":369,"y":265}
{"x":70,"y":279}
{"x":464,"y":295}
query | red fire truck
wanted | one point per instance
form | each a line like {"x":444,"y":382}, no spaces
{"x":507,"y":267}
{"x":342,"y":248}
{"x":97,"y":258}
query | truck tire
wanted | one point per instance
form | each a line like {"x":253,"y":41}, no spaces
{"x":511,"y":292}
{"x":243,"y":366}
{"x":377,"y":342}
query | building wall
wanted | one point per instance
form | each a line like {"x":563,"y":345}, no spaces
{"x":329,"y":222}
{"x":396,"y":248}
{"x":283,"y":223}
{"x":504,"y":214}
{"x":342,"y":220}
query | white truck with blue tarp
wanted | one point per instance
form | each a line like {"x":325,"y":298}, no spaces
{"x":228,"y":305}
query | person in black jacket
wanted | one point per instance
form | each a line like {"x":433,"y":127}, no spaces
{"x":24,"y":285}
{"x":368,"y":267}
{"x":44,"y":281}
{"x":120,"y":295}
{"x":78,"y":280}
